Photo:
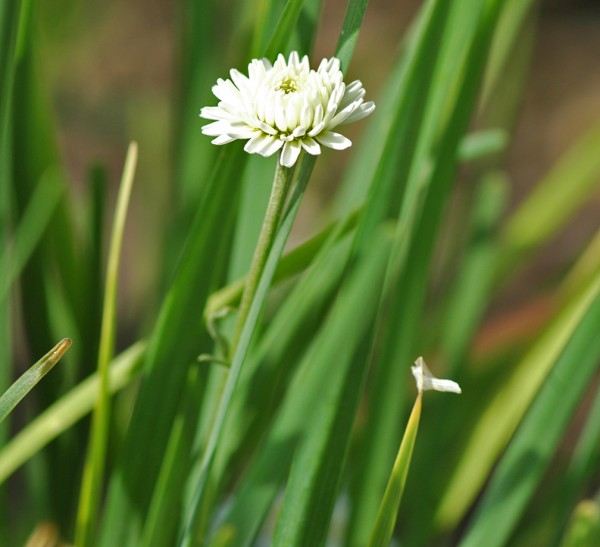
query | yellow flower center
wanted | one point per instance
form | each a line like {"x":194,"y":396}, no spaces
{"x":288,"y":84}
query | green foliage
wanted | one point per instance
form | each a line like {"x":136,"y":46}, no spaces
{"x":301,"y":438}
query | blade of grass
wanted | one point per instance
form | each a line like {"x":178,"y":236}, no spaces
{"x":170,"y":354}
{"x":355,"y":12}
{"x":30,"y":230}
{"x":501,"y":417}
{"x":446,"y":119}
{"x":555,"y":199}
{"x":26,"y":382}
{"x":319,"y":459}
{"x":474,"y":280}
{"x":70,"y":408}
{"x":584,"y":529}
{"x":284,"y":28}
{"x":93,"y":474}
{"x":530,"y":451}
{"x":388,"y":512}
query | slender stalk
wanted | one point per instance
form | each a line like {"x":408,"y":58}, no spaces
{"x":93,"y":472}
{"x":195,"y":525}
{"x":281,"y":184}
{"x":388,"y":511}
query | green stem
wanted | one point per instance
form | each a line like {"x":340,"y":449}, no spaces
{"x":205,"y":494}
{"x":93,"y":472}
{"x":281,"y":184}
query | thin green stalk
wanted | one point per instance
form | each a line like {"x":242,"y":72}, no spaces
{"x":94,"y":466}
{"x":388,"y":511}
{"x":281,"y":184}
{"x":271,"y":243}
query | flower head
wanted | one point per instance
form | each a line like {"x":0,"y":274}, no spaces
{"x":426,"y":380}
{"x":286,"y":106}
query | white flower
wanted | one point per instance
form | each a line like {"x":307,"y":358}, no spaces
{"x":285,"y":106}
{"x":425,"y":380}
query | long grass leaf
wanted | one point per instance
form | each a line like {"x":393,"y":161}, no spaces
{"x":386,"y":518}
{"x":70,"y":408}
{"x":169,"y":354}
{"x":12,"y":397}
{"x":530,"y":451}
{"x":318,"y":462}
{"x":503,"y":414}
{"x":93,"y":474}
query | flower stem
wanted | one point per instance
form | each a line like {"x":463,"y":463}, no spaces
{"x":279,"y":191}
{"x":204,"y":496}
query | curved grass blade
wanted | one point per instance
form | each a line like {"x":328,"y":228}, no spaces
{"x":93,"y":473}
{"x":388,"y":512}
{"x":15,"y":393}
{"x":284,"y":28}
{"x":169,"y":354}
{"x":530,"y":451}
{"x":344,"y":340}
{"x":30,"y":230}
{"x":502,"y":415}
{"x":355,"y":12}
{"x":584,"y":529}
{"x":555,"y":199}
{"x":70,"y":408}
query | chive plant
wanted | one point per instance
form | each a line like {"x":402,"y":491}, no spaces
{"x":265,"y":399}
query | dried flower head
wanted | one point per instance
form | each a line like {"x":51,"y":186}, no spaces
{"x":286,"y":106}
{"x":426,"y":380}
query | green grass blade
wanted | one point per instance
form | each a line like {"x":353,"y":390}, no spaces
{"x":291,"y":264}
{"x":15,"y":393}
{"x":318,"y":462}
{"x":555,"y":199}
{"x":355,"y":12}
{"x":284,"y":29}
{"x":530,"y":451}
{"x":166,"y":507}
{"x":478,"y":270}
{"x":502,"y":415}
{"x":445,"y":122}
{"x":388,"y":512}
{"x":584,"y":529}
{"x":70,"y":408}
{"x":30,"y":230}
{"x":170,"y":354}
{"x":93,"y":474}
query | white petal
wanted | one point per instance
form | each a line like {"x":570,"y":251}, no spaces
{"x":215,"y":113}
{"x":272,"y":146}
{"x":311,"y":146}
{"x":216,"y":128}
{"x":427,"y":381}
{"x":266,"y":128}
{"x":280,"y":120}
{"x":241,"y":81}
{"x":316,"y":129}
{"x":361,"y":112}
{"x":265,"y":145}
{"x":223,"y":139}
{"x":255,"y":144}
{"x":305,"y":115}
{"x":226,"y":91}
{"x":290,"y":153}
{"x":299,"y":132}
{"x":333,"y":140}
{"x":341,"y":116}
